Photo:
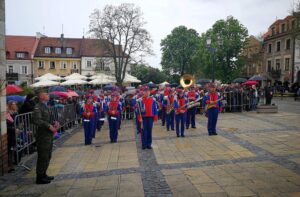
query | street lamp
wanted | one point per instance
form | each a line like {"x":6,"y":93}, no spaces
{"x":213,"y":52}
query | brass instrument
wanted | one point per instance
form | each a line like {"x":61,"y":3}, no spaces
{"x":170,"y":109}
{"x":212,"y":105}
{"x":187,"y":80}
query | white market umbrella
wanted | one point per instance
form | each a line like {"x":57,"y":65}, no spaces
{"x":100,"y":81}
{"x":99,"y":75}
{"x":75,"y":76}
{"x":48,"y":76}
{"x":44,"y":83}
{"x":164,"y":83}
{"x":131,"y":79}
{"x":73,"y":82}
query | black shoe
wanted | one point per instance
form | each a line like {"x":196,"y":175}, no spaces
{"x":186,"y":128}
{"x":210,"y":134}
{"x":194,"y":127}
{"x":172,"y":129}
{"x":143,"y":147}
{"x":50,"y":178}
{"x":42,"y":180}
{"x":149,"y":147}
{"x":215,"y":134}
{"x":178,"y":135}
{"x":182,"y":135}
{"x":168,"y":129}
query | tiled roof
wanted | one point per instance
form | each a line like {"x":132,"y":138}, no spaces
{"x":59,"y":42}
{"x":97,"y":48}
{"x":26,"y":44}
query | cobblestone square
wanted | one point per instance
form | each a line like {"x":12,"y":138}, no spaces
{"x":253,"y":155}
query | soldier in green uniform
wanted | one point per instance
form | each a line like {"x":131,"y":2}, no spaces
{"x":44,"y":138}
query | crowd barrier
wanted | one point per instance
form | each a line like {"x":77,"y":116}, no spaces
{"x":26,"y":130}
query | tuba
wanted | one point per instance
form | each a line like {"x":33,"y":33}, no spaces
{"x":187,"y":80}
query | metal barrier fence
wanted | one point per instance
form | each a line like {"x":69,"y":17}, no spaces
{"x":25,"y":129}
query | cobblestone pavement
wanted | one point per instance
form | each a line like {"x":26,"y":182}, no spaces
{"x":253,"y":155}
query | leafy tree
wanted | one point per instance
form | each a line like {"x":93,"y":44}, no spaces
{"x":228,"y":39}
{"x":147,"y":74}
{"x":123,"y":27}
{"x":178,"y":49}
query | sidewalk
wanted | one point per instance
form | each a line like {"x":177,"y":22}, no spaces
{"x":253,"y":155}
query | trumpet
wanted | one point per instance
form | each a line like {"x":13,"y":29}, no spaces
{"x":170,"y":109}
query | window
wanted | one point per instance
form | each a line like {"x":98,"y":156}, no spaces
{"x":293,"y":24}
{"x":58,"y":50}
{"x":273,"y":31}
{"x":269,"y":65}
{"x":270,"y":48}
{"x":74,"y":65}
{"x":24,"y":70}
{"x":102,"y":65}
{"x":287,"y":64}
{"x":69,"y":51}
{"x":88,"y":63}
{"x":288,"y":44}
{"x":47,"y":50}
{"x":41,"y":64}
{"x":278,"y":46}
{"x":20,"y":55}
{"x":277,"y":64}
{"x":52,"y":65}
{"x":10,"y":69}
{"x":282,"y":28}
{"x":63,"y":65}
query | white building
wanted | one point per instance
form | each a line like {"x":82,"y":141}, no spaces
{"x":95,"y":58}
{"x":19,"y":58}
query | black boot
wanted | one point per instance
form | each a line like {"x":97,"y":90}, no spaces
{"x":50,"y":178}
{"x":41,"y":179}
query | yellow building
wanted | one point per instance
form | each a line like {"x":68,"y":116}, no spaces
{"x":59,"y":56}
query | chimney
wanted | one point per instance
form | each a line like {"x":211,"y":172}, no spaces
{"x":62,"y":36}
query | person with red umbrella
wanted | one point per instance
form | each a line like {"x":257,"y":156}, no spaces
{"x":13,"y":89}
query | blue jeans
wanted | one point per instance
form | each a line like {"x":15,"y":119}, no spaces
{"x":212,"y":120}
{"x":180,"y":123}
{"x":147,"y":131}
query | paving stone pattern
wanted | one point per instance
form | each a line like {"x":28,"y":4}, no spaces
{"x":253,"y":155}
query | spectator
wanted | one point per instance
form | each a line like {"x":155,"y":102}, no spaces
{"x":28,"y":105}
{"x":12,"y":111}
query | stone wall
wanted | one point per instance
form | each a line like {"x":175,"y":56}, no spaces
{"x":3,"y":137}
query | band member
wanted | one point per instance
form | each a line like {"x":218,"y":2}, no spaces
{"x":149,"y":114}
{"x":191,"y":112}
{"x":169,"y":107}
{"x":136,"y":107}
{"x":163,"y":109}
{"x":212,"y":104}
{"x":114,"y":109}
{"x":180,"y":106}
{"x":88,"y":112}
{"x":101,"y":107}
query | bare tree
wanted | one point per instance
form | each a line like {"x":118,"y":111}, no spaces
{"x":123,"y":27}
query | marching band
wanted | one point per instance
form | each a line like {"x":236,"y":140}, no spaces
{"x":175,"y":107}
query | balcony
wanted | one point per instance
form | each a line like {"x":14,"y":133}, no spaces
{"x":275,"y":73}
{"x":74,"y":71}
{"x":12,"y":76}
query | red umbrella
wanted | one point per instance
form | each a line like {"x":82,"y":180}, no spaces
{"x":13,"y":89}
{"x":72,"y":93}
{"x":62,"y":94}
{"x":250,"y":83}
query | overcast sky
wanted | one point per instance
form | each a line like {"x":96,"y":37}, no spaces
{"x":26,"y":17}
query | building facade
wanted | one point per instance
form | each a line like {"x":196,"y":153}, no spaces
{"x":278,"y":49}
{"x":59,"y":56}
{"x":253,"y":56}
{"x":19,"y":55}
{"x":96,"y":59}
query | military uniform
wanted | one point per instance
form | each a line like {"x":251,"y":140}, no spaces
{"x":44,"y":138}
